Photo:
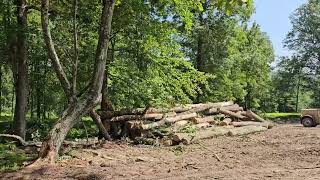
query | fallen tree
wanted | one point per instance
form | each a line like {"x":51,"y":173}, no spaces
{"x":204,"y":120}
{"x":231,"y":114}
{"x":252,"y":115}
{"x":251,"y":123}
{"x":208,"y":133}
{"x":245,"y":130}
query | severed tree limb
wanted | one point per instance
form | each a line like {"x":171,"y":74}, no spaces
{"x":21,"y":141}
{"x":254,"y":116}
{"x":230,"y":113}
{"x":252,"y":123}
{"x":96,"y":118}
{"x":166,"y":119}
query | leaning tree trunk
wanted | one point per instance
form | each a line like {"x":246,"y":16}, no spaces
{"x":77,"y":108}
{"x":70,"y":117}
{"x":21,"y":86}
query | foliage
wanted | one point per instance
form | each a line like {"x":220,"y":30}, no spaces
{"x":304,"y":39}
{"x":12,"y":158}
{"x":153,"y":58}
{"x":299,"y":74}
{"x":281,"y":115}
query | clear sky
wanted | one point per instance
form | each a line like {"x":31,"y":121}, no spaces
{"x":273,"y":17}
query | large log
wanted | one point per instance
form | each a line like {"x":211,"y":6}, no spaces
{"x":230,"y":113}
{"x":254,"y":116}
{"x":179,"y":124}
{"x":232,"y":108}
{"x":251,"y":123}
{"x":225,"y":122}
{"x":177,"y":109}
{"x":245,"y":130}
{"x":209,"y":120}
{"x":214,"y":132}
{"x":165,"y":120}
{"x":199,"y":108}
{"x":137,"y":117}
{"x":180,"y":117}
{"x":125,"y":118}
{"x":141,"y":111}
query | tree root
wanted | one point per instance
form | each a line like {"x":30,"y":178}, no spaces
{"x":21,"y":141}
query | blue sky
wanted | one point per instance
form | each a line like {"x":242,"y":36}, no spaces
{"x":273,"y":17}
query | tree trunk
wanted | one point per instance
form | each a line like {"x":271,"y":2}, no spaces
{"x":165,"y":120}
{"x":71,"y":116}
{"x":245,"y":130}
{"x":200,"y":64}
{"x":252,"y":115}
{"x":214,"y":110}
{"x":297,"y":94}
{"x":79,"y":107}
{"x":230,"y":113}
{"x":0,"y":90}
{"x":21,"y":86}
{"x":102,"y":129}
{"x":75,"y":47}
{"x":252,"y":123}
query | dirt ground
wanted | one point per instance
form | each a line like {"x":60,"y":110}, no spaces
{"x":287,"y":151}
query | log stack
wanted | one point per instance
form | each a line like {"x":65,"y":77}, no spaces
{"x":186,"y":123}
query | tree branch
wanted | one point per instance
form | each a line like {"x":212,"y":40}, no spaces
{"x":51,"y":49}
{"x":75,"y":46}
{"x":102,"y":48}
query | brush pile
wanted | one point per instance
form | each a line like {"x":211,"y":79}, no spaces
{"x":186,"y":123}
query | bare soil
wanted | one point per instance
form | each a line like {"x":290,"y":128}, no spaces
{"x":288,"y":151}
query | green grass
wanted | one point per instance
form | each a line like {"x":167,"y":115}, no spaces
{"x":281,"y":115}
{"x":12,"y":158}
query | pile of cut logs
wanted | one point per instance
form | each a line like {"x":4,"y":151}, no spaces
{"x":186,"y":123}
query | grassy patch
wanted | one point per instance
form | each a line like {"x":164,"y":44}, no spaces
{"x":281,"y":115}
{"x":12,"y":158}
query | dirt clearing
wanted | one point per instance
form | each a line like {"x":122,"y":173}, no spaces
{"x":284,"y":152}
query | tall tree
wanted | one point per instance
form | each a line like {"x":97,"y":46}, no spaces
{"x":304,"y":37}
{"x":21,"y":78}
{"x":77,"y":107}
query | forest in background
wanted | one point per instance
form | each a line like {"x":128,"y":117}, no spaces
{"x":160,"y":53}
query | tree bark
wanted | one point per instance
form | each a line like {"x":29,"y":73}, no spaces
{"x":102,"y":128}
{"x":298,"y":93}
{"x":76,"y":108}
{"x":251,"y":123}
{"x":0,"y":90}
{"x":230,"y":113}
{"x":254,"y":116}
{"x":225,"y":122}
{"x":245,"y":130}
{"x":21,"y":85}
{"x":165,"y":120}
{"x":232,"y":108}
{"x":75,"y":47}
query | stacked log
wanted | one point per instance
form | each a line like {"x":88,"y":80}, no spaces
{"x":187,"y":123}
